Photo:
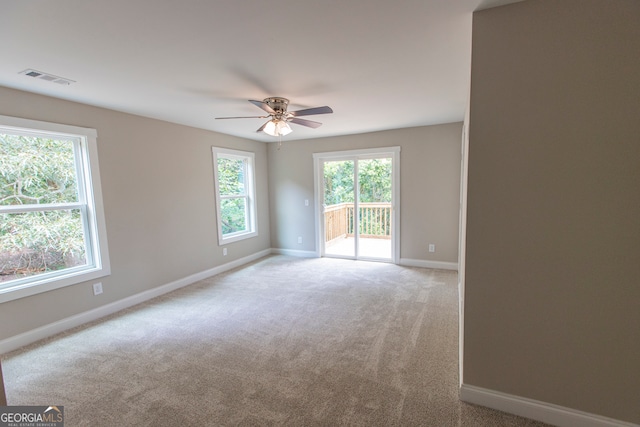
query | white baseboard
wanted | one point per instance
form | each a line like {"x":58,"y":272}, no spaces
{"x":294,"y":252}
{"x":536,"y":410}
{"x":429,"y":264}
{"x":20,"y":340}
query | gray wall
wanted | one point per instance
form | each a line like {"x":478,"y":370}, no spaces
{"x":430,"y":188}
{"x":157,"y":185}
{"x":553,"y":235}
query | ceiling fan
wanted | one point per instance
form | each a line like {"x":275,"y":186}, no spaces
{"x":278,"y":125}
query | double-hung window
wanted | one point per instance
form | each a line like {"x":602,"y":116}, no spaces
{"x":52,"y":231}
{"x":235,"y":194}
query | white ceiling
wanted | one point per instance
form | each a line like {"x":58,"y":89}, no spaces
{"x":379,"y":64}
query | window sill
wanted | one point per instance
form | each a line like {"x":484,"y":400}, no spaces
{"x":236,"y":237}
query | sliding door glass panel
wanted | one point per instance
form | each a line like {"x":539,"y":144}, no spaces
{"x":339,"y":197}
{"x":374,"y":208}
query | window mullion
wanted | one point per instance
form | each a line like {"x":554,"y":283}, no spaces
{"x":233,"y":196}
{"x":44,"y":207}
{"x":82,"y":173}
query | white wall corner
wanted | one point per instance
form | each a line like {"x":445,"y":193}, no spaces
{"x":536,"y":410}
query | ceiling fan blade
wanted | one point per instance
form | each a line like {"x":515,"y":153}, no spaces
{"x":304,"y":122}
{"x":311,"y":111}
{"x":261,"y":128}
{"x":262,"y":105}
{"x":242,"y":117}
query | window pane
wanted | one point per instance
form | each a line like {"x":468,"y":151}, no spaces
{"x":232,"y":215}
{"x":231,"y":176}
{"x":338,"y":182}
{"x":235,"y":194}
{"x":38,"y":242}
{"x":36,"y":170}
{"x":374,"y":177}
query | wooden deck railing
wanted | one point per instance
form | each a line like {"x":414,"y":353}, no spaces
{"x":375,"y":220}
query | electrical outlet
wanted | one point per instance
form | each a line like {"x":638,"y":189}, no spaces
{"x":299,"y":239}
{"x":306,"y":202}
{"x":432,"y":247}
{"x":224,"y":251}
{"x":97,"y":288}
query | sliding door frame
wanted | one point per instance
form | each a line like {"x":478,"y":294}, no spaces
{"x":369,"y":153}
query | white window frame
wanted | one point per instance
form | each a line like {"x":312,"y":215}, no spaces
{"x":249,"y":195}
{"x":89,"y":203}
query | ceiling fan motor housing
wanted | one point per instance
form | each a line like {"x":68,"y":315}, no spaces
{"x":278,"y":104}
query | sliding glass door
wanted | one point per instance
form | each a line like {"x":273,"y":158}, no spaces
{"x":357,"y":199}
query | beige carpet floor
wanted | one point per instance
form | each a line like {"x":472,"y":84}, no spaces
{"x":281,"y":342}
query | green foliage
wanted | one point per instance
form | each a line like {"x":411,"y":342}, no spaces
{"x":231,"y":182}
{"x":374,"y":179}
{"x":231,"y":176}
{"x":36,"y":171}
{"x":232,"y":215}
{"x":338,"y":182}
{"x":374,"y":186}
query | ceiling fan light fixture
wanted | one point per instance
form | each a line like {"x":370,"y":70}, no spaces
{"x":283,"y":128}
{"x":279,"y":117}
{"x":277,"y":128}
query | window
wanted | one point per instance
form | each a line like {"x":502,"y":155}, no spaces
{"x":52,"y":231}
{"x":235,"y":194}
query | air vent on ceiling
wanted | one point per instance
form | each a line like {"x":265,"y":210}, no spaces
{"x":48,"y":77}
